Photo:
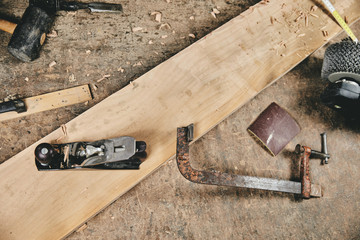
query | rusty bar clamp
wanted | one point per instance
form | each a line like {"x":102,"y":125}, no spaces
{"x":303,"y":188}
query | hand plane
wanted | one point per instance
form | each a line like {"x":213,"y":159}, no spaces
{"x":117,"y":153}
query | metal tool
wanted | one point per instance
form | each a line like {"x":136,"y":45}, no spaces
{"x":29,"y":35}
{"x":303,"y":188}
{"x":116,"y":153}
{"x":14,"y":105}
{"x":341,"y":67}
{"x":324,"y":147}
{"x":58,"y":5}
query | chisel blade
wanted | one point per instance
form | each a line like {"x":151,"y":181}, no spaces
{"x":105,"y":7}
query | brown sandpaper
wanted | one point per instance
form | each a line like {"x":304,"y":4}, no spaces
{"x":275,"y":128}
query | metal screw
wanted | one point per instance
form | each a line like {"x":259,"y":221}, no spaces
{"x":324,"y":147}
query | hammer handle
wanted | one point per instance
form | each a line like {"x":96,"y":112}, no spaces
{"x":7,"y":26}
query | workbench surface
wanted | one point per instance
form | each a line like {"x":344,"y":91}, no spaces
{"x":96,"y":49}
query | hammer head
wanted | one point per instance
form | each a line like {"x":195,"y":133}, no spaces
{"x":30,"y":34}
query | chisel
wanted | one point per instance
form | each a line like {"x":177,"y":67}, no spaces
{"x":58,"y":5}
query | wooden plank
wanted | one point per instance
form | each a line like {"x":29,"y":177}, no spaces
{"x":202,"y":84}
{"x":51,"y":100}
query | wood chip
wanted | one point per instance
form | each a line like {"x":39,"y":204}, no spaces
{"x":313,"y":8}
{"x":168,"y":1}
{"x":306,"y":21}
{"x":191,"y":35}
{"x":72,"y":78}
{"x":88,"y":51}
{"x":346,"y":20}
{"x":325,"y":33}
{"x":265,"y":2}
{"x":137,"y":64}
{"x":216,"y":11}
{"x":314,"y":15}
{"x":150,"y":42}
{"x":299,"y":17}
{"x":164,"y":26}
{"x":272,"y":20}
{"x":64,"y":133}
{"x":213,"y":14}
{"x":136,"y":29}
{"x":53,"y":34}
{"x":301,"y":35}
{"x":104,"y":77}
{"x":53,"y":63}
{"x":94,"y":87}
{"x":120,"y":69}
{"x":192,"y":18}
{"x":158,"y":16}
{"x":164,"y":36}
{"x":26,"y":79}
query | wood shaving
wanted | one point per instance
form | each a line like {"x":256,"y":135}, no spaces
{"x":88,"y":52}
{"x":136,"y":29}
{"x":86,"y":103}
{"x":72,"y":78}
{"x":313,"y":8}
{"x":158,"y":16}
{"x":191,"y":35}
{"x":301,"y":35}
{"x":53,"y":34}
{"x":164,"y":26}
{"x":306,"y":21}
{"x":299,"y":17}
{"x":94,"y":87}
{"x":325,"y":33}
{"x":213,"y":14}
{"x":314,"y":15}
{"x":137,"y":64}
{"x":272,"y":20}
{"x":150,"y":42}
{"x":164,"y":36}
{"x":216,"y":11}
{"x":120,"y":69}
{"x":53,"y":63}
{"x":346,"y":20}
{"x":192,"y":18}
{"x":104,"y":77}
{"x":265,"y":2}
{"x":64,"y":133}
{"x":26,"y":79}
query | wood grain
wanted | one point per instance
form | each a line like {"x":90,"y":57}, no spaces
{"x":51,"y":100}
{"x":202,"y":84}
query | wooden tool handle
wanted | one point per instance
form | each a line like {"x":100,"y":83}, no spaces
{"x":7,"y":26}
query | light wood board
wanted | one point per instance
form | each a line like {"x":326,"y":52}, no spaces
{"x":51,"y":100}
{"x":202,"y":84}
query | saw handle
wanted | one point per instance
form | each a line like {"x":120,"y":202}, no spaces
{"x":7,"y":26}
{"x":305,"y":172}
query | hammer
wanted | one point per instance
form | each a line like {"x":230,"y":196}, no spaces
{"x":30,"y":34}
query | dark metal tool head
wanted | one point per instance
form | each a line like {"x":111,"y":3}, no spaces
{"x":57,"y":5}
{"x":30,"y":34}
